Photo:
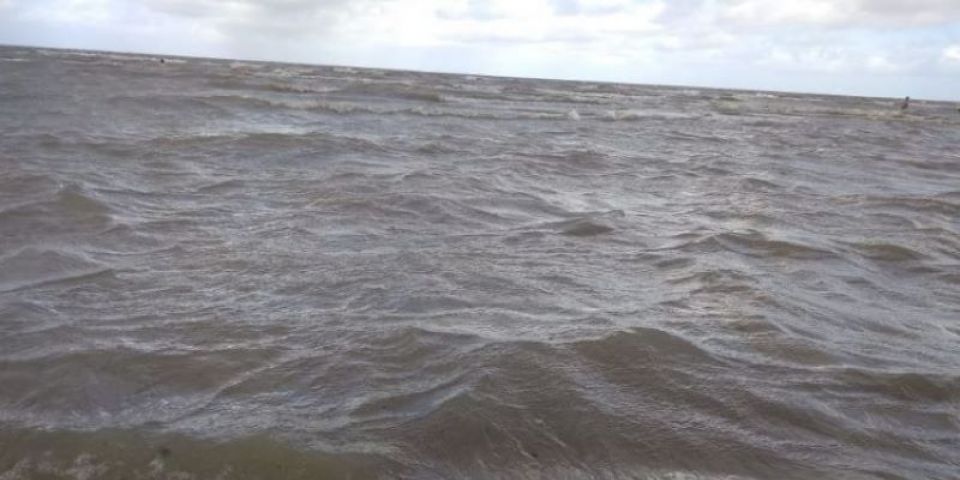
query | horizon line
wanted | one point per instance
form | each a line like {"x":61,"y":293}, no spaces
{"x":488,"y":75}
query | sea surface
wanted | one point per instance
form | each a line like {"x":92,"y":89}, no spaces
{"x":234,"y":270}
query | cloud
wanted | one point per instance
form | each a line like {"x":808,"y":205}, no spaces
{"x":950,"y":56}
{"x":589,"y":25}
{"x":841,"y":13}
{"x":281,"y":19}
{"x":589,"y":7}
{"x":65,"y":11}
{"x":879,"y":63}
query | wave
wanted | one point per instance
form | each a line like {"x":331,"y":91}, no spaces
{"x":639,"y":115}
{"x":414,"y":208}
{"x":904,"y":386}
{"x":341,"y":107}
{"x":361,"y":89}
{"x":183,"y":106}
{"x":887,"y":252}
{"x":366,"y":90}
{"x":940,"y":204}
{"x":760,"y":184}
{"x":579,"y":227}
{"x":583,"y":228}
{"x":466,"y":113}
{"x":646,"y":346}
{"x":754,"y":244}
{"x":330,"y":142}
{"x":70,"y":208}
{"x":785,"y":107}
{"x":77,"y":455}
{"x":397,"y":90}
{"x":32,"y":267}
{"x":274,"y":87}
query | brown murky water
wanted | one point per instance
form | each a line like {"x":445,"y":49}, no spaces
{"x":240,"y":270}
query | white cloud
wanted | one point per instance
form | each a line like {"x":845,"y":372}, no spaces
{"x":422,"y":22}
{"x":68,"y":11}
{"x":951,"y":55}
{"x":879,"y":63}
{"x":762,"y":12}
{"x":888,"y":13}
{"x":821,"y":59}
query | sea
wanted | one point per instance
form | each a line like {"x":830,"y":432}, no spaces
{"x":216,"y":269}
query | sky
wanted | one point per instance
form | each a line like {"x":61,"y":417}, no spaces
{"x":857,"y":47}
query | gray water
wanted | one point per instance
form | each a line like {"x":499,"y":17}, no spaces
{"x":215,"y":269}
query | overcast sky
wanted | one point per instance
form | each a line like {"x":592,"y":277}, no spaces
{"x":865,"y":47}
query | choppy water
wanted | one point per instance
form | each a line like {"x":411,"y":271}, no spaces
{"x":241,"y":270}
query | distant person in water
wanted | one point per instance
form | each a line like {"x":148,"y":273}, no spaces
{"x":163,"y":61}
{"x":905,"y":105}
